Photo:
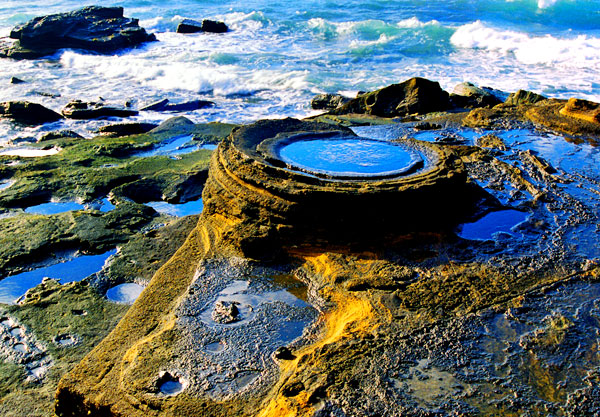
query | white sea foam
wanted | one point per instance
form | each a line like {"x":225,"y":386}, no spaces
{"x":578,"y":52}
{"x":414,"y":23}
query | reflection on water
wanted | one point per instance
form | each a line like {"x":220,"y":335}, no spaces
{"x":61,"y":207}
{"x":486,"y":227}
{"x":177,"y":210}
{"x":76,"y":269}
{"x":350,"y":157}
{"x":179,"y":145}
{"x":29,"y":152}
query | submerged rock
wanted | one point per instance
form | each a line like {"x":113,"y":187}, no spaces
{"x":93,"y":28}
{"x":78,"y":109}
{"x":192,"y":26}
{"x":328,"y":101}
{"x":226,"y":312}
{"x":28,"y":113}
{"x":414,"y":96}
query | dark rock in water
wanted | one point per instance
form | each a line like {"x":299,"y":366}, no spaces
{"x":28,"y":113}
{"x":44,"y":94}
{"x":126,"y":129}
{"x":468,"y":95}
{"x":226,"y":312}
{"x":328,"y":101}
{"x":413,"y":96}
{"x":213,"y":26}
{"x":164,"y":105}
{"x":189,"y":26}
{"x":93,"y":28}
{"x":523,"y":97}
{"x":60,"y":134}
{"x":15,"y":80}
{"x":156,"y":106}
{"x":78,"y":109}
{"x":426,"y":126}
{"x":192,"y":26}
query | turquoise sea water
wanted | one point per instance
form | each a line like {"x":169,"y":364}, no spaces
{"x":279,"y":53}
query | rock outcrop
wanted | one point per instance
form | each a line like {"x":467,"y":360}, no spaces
{"x":28,"y":113}
{"x":96,"y":29}
{"x":414,"y":96}
{"x":166,"y":105}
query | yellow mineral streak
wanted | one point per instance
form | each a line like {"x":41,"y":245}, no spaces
{"x":352,"y":317}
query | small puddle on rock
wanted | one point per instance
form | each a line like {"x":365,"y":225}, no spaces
{"x":490,"y":224}
{"x":20,"y":347}
{"x":170,"y":385}
{"x":124,"y":293}
{"x":65,"y":340}
{"x":5,"y":184}
{"x":13,"y":287}
{"x":215,"y":347}
{"x":177,"y":210}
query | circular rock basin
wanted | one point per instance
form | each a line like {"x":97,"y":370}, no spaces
{"x":348,"y":157}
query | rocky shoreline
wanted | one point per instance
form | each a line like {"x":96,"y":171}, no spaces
{"x":297,"y":292}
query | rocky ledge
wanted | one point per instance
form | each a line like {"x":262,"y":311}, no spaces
{"x":94,"y":28}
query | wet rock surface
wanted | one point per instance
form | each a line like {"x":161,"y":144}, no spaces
{"x":295,"y":294}
{"x":93,"y":28}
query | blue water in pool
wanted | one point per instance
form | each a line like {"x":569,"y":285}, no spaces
{"x":76,"y":269}
{"x":280,"y":53}
{"x":349,"y":157}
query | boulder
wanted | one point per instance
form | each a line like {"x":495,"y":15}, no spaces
{"x":523,"y":97}
{"x":192,"y":26}
{"x":81,"y":110}
{"x":126,"y":129}
{"x":328,"y":101}
{"x":164,"y":105}
{"x":93,"y":28}
{"x":468,"y":95}
{"x":28,"y":113}
{"x":413,"y":96}
{"x":15,"y":80}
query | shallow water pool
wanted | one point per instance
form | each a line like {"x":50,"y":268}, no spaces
{"x":350,"y":157}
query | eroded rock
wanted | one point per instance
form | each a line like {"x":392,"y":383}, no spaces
{"x":328,"y":101}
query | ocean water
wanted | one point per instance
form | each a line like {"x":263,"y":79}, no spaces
{"x":279,"y":54}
